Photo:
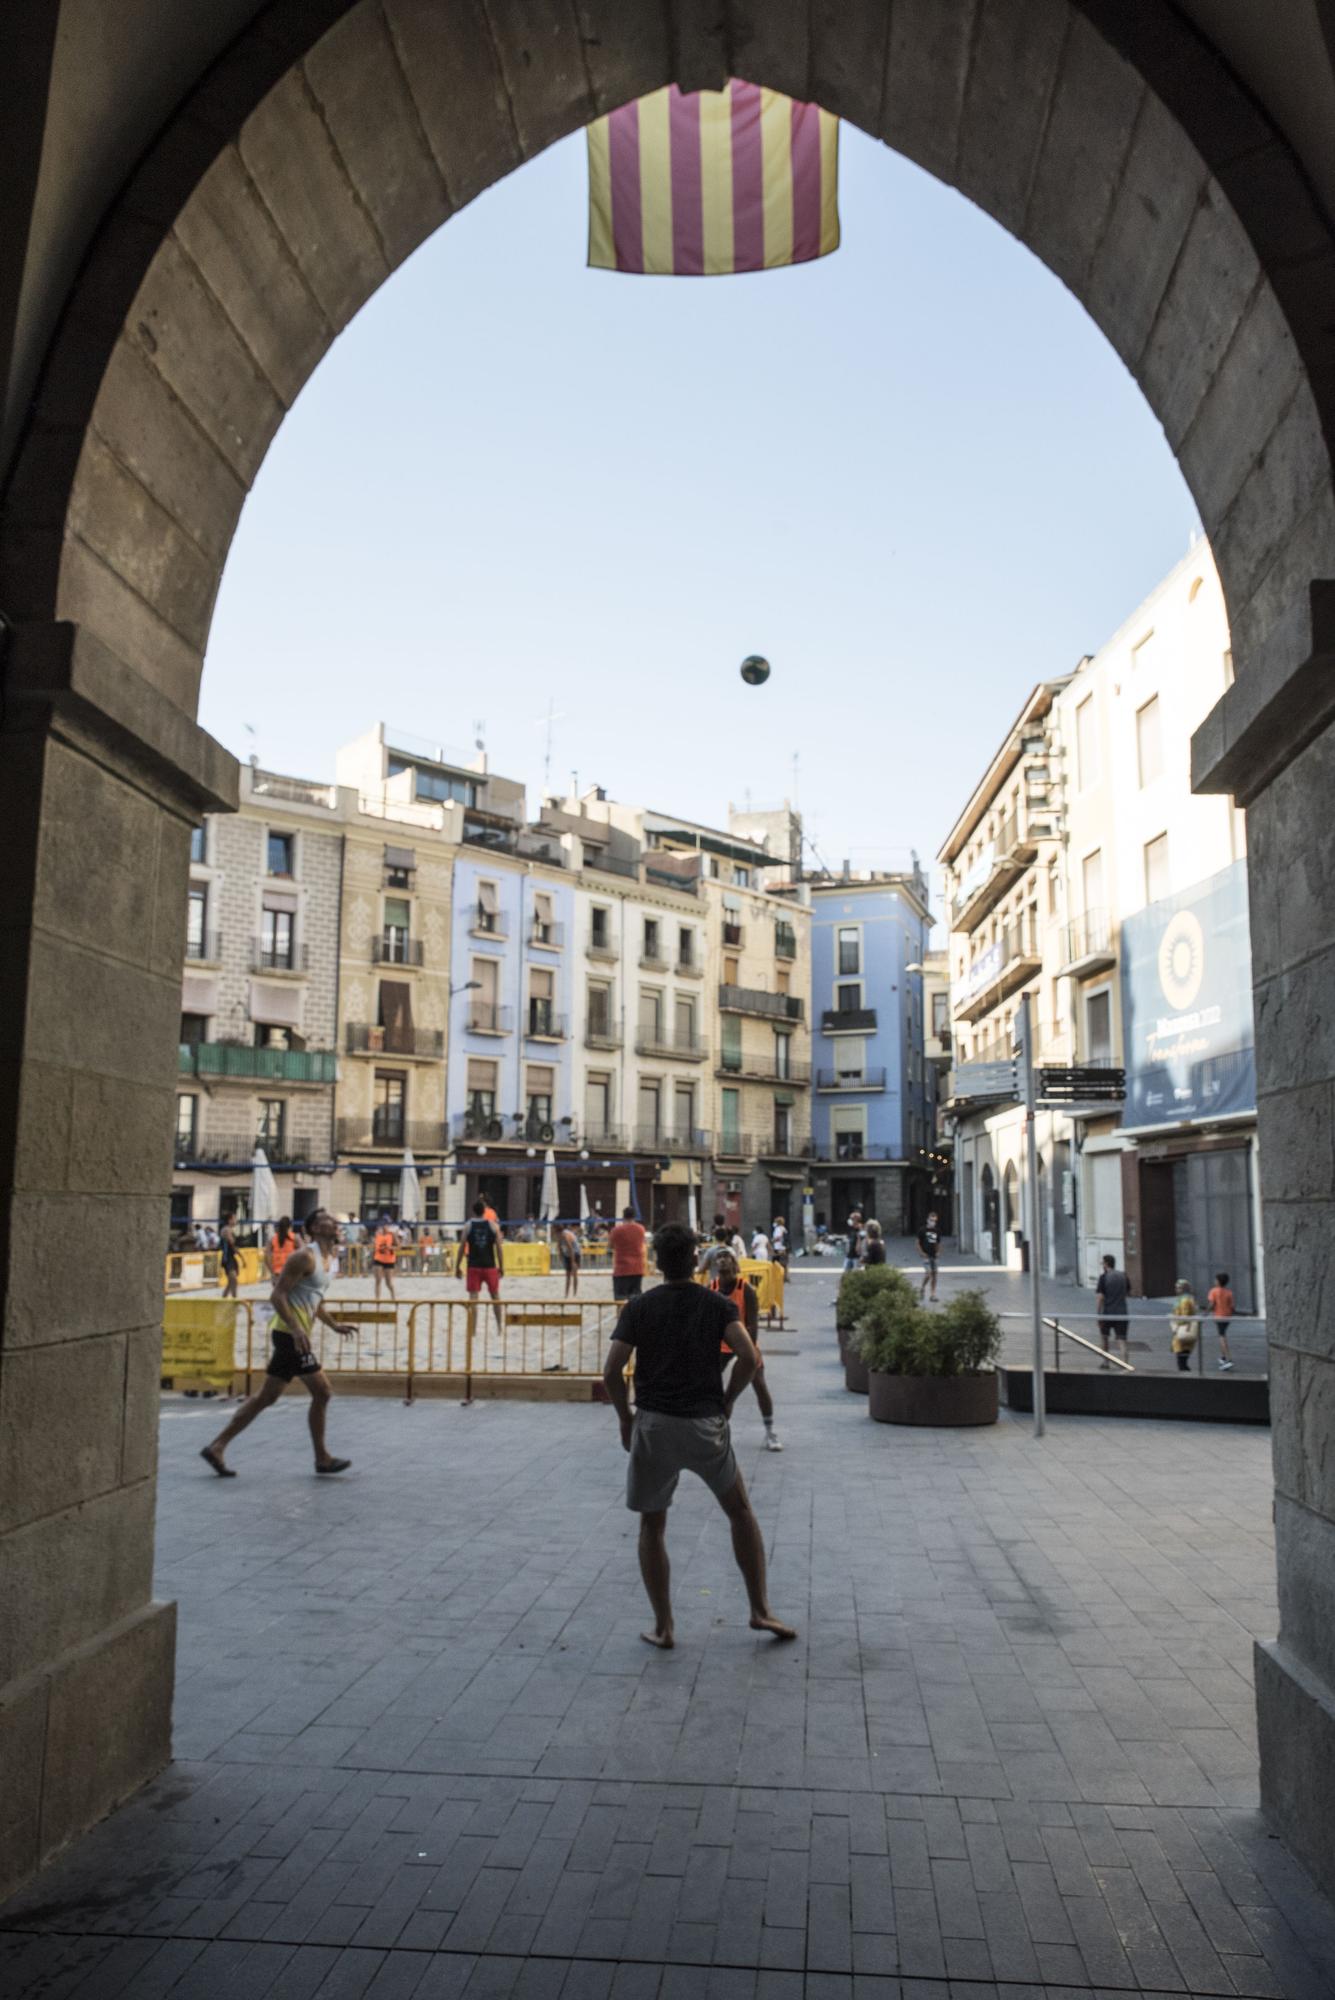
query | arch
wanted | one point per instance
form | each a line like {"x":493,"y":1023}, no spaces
{"x":315,"y":157}
{"x":328,"y":142}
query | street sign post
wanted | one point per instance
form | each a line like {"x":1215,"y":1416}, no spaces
{"x":1029,"y":1081}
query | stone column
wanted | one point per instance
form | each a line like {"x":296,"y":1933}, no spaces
{"x":103,"y":780}
{"x":1271,"y":742}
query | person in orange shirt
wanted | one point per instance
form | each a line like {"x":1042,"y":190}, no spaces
{"x":280,"y":1246}
{"x":384,"y":1255}
{"x":1222,"y":1306}
{"x":627,"y":1257}
{"x":729,"y":1282}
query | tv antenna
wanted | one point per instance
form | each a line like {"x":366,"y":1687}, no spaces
{"x":548,"y":722}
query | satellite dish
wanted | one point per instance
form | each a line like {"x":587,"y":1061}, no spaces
{"x":755,"y":670}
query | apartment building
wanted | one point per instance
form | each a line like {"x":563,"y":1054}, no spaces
{"x":1004,"y":884}
{"x":1156,"y":951}
{"x":259,"y":1001}
{"x":874,"y":1105}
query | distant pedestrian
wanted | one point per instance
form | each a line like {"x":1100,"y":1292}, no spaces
{"x":730,"y":1284}
{"x":297,"y":1301}
{"x":1221,"y":1304}
{"x":628,"y":1258}
{"x":760,"y":1247}
{"x":384,"y":1257}
{"x":567,"y":1244}
{"x":1186,"y":1325}
{"x":280,"y":1247}
{"x":873,"y":1243}
{"x":779,"y":1238}
{"x":482,"y":1250}
{"x":680,"y":1424}
{"x":853,"y":1240}
{"x":714,"y":1249}
{"x":929,"y":1248}
{"x":1110,"y":1305}
{"x":231,"y":1262}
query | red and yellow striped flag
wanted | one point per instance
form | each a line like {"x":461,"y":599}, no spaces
{"x":696,"y":186}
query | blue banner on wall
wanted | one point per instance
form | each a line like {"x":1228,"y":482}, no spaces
{"x":1187,"y":1005}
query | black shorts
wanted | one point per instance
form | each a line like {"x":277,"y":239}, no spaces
{"x":288,"y":1361}
{"x":626,"y":1284}
{"x":1117,"y":1327}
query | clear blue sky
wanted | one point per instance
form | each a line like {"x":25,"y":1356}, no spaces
{"x":914,"y":476}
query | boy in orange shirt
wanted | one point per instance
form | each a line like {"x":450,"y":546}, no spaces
{"x":1223,"y":1308}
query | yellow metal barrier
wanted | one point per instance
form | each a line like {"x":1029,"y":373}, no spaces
{"x":768,"y":1281}
{"x":198,"y":1343}
{"x":528,"y":1260}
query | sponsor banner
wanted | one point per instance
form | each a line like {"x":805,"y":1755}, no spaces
{"x":1187,"y":1005}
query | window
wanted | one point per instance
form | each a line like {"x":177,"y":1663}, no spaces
{"x":731,"y":1052}
{"x":730,"y":971}
{"x":651,"y":1014}
{"x":1052,"y":888}
{"x":850,"y":1059}
{"x":783,"y":1128}
{"x":850,"y":949}
{"x":650,"y":1114}
{"x":683,"y":1111}
{"x":848,"y":998}
{"x":1091,"y":874}
{"x":940,"y":1016}
{"x":398,"y":922}
{"x":194,"y":1029}
{"x":196,"y":911}
{"x":380,"y":1196}
{"x":1149,"y":742}
{"x":487,"y":915}
{"x":435,"y":785}
{"x":539,"y":1085}
{"x":1086,"y":744}
{"x":541,"y":996}
{"x":597,"y":1105}
{"x":1142,"y":654}
{"x":712,"y":867}
{"x":782,"y":976}
{"x":731,"y":1105}
{"x":187,"y":1116}
{"x":269,"y":1132}
{"x":387,"y":1118}
{"x":684,"y":1023}
{"x":732,"y":921}
{"x":396,"y":1017}
{"x":197,"y":843}
{"x":280,"y":853}
{"x":481,"y":1091}
{"x":783,"y":1055}
{"x":848,"y":1132}
{"x":651,"y":939}
{"x":1098,"y":1026}
{"x":544,"y":918}
{"x":742,"y":877}
{"x":685,"y":948}
{"x":599,"y":1010}
{"x":276,"y":940}
{"x":600,"y":927}
{"x":483,"y":1010}
{"x":1156,"y":868}
{"x":431,"y":1199}
{"x":399,"y":877}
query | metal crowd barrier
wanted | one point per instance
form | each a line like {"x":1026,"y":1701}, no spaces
{"x":1163,"y":1322}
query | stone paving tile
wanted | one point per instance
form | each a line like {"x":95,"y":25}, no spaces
{"x":422,"y":1751}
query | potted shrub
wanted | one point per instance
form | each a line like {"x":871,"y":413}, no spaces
{"x":935,"y":1368}
{"x":858,"y":1293}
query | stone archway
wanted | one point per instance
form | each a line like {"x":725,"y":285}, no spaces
{"x":316,"y":155}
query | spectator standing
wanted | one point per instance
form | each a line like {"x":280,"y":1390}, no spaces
{"x":230,"y":1261}
{"x":873,"y":1244}
{"x":779,"y":1238}
{"x":853,"y":1240}
{"x":384,"y":1256}
{"x":1110,"y":1305}
{"x":730,"y":1284}
{"x":567,"y":1244}
{"x":761,"y":1249}
{"x":628,"y":1257}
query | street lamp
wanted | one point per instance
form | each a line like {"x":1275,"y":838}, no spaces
{"x":469,"y":986}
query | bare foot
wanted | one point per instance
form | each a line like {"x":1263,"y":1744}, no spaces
{"x":766,"y":1622}
{"x":663,"y":1640}
{"x":212,"y":1456}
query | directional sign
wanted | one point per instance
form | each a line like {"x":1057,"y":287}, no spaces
{"x":1087,"y":1084}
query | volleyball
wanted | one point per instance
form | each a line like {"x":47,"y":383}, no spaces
{"x":755,"y":670}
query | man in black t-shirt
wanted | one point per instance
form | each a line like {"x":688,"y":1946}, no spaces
{"x":675,"y":1332}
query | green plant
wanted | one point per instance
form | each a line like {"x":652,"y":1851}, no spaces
{"x":897,"y":1336}
{"x":857,"y":1290}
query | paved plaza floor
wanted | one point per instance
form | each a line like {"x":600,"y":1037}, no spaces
{"x":421,"y":1750}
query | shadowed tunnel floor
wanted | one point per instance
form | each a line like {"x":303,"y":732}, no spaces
{"x":421,"y":1750}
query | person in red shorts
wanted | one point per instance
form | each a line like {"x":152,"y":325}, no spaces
{"x":482,"y":1248}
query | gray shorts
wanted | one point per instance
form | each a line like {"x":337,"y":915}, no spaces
{"x":663,"y":1447}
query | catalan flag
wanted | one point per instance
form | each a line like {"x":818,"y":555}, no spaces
{"x":696,"y":186}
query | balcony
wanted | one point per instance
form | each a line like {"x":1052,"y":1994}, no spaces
{"x":1007,"y":963}
{"x":763,"y":1146}
{"x":395,"y":948}
{"x":1088,"y":945}
{"x":280,"y":958}
{"x":848,"y":1021}
{"x":839,"y":1079}
{"x":546,"y":937}
{"x":687,"y":1139}
{"x":239,"y":1153}
{"x":997,"y":869}
{"x":542,"y":1024}
{"x":603,"y":1139}
{"x":765,"y":1006}
{"x":605,"y":949}
{"x":391,"y":1130}
{"x":205,"y":949}
{"x":488,"y":923}
{"x":602,"y":1035}
{"x":689,"y":968}
{"x":485,"y":1018}
{"x":785,"y":941}
{"x":480,"y":1126}
{"x":653,"y":961}
{"x":764,"y":1069}
{"x":240,"y":1059}
{"x":371,"y":1039}
{"x":676,"y":1047}
{"x":846,"y":1146}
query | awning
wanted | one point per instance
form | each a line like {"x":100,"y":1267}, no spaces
{"x":281,"y":899}
{"x":784,"y":1097}
{"x":400,"y":857}
{"x":486,"y":896}
{"x":199,"y":993}
{"x":275,"y":1006}
{"x":542,"y":906}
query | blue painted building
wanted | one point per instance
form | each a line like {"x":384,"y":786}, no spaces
{"x":871,"y":1097}
{"x":509,"y":1089}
